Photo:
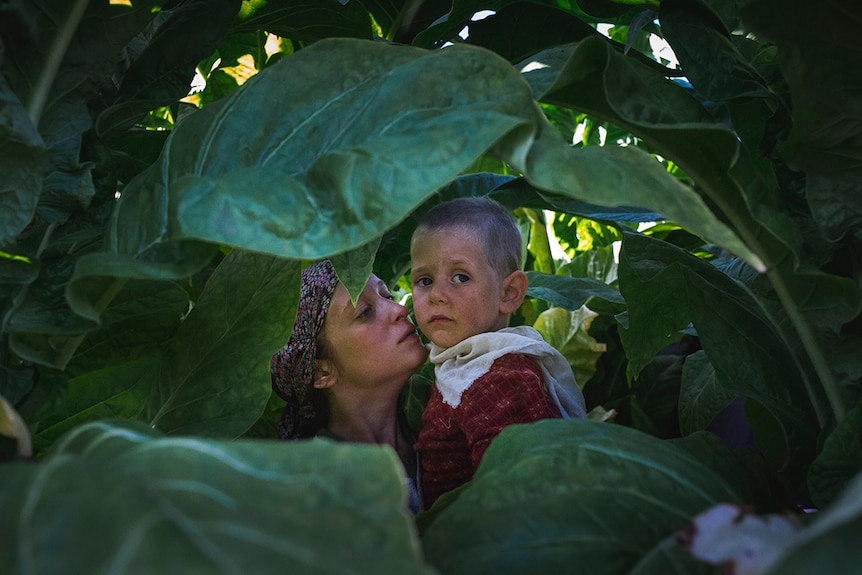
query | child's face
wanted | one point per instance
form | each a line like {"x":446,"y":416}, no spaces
{"x":456,"y":292}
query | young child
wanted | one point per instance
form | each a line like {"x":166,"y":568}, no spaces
{"x":467,"y":280}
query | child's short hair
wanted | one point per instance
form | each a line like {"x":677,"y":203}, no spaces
{"x":486,"y":219}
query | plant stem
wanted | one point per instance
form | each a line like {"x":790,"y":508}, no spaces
{"x":539,"y":244}
{"x":809,"y":342}
{"x":408,"y":12}
{"x":66,"y":31}
{"x":803,"y":330}
{"x":806,"y":381}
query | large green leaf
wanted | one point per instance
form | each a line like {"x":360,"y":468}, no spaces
{"x":559,"y":493}
{"x":839,"y":460}
{"x":595,"y":79}
{"x":507,"y":32}
{"x":367,"y":134}
{"x":665,"y":288}
{"x":328,"y":170}
{"x":208,"y":375}
{"x":704,"y":48}
{"x":74,"y":40}
{"x":41,"y":324}
{"x":132,"y":501}
{"x":447,"y":26}
{"x":99,"y":276}
{"x":341,"y":179}
{"x":22,"y":164}
{"x":751,"y":360}
{"x":214,"y":379}
{"x":62,"y":62}
{"x":162,"y":60}
{"x":143,"y":316}
{"x":656,"y":316}
{"x":16,"y":382}
{"x":831,"y":542}
{"x":569,"y":333}
{"x":597,"y":263}
{"x":518,"y":192}
{"x":118,"y":391}
{"x":736,"y":467}
{"x":701,"y":396}
{"x":653,"y":406}
{"x":115,"y":368}
{"x":72,"y":34}
{"x":827,"y":118}
{"x":568,"y":292}
{"x":354,"y":267}
{"x":305,"y":20}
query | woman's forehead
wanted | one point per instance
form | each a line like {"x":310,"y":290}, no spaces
{"x":341,"y":298}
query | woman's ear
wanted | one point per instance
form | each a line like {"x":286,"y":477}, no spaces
{"x":325,"y":374}
{"x":514,"y":291}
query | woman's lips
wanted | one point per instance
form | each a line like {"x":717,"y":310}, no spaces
{"x":408,"y":335}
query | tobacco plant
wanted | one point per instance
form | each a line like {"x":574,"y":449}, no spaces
{"x":170,"y":166}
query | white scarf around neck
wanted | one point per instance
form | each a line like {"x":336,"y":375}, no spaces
{"x":457,"y":367}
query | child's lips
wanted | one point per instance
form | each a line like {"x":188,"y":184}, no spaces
{"x":437,"y":319}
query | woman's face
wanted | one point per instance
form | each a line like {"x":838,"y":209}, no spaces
{"x":374,"y":343}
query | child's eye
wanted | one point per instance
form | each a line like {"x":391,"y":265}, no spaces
{"x":422,"y":282}
{"x":461,"y":278}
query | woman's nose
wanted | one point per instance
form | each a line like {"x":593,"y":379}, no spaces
{"x":398,"y":311}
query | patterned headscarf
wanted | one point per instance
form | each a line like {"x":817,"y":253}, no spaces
{"x":292,"y":368}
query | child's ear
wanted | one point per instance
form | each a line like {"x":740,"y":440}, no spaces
{"x":514,"y":291}
{"x":325,"y":374}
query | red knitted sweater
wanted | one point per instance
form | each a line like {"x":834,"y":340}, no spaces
{"x":453,"y":440}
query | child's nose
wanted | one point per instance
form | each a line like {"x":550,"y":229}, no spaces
{"x":437,"y":293}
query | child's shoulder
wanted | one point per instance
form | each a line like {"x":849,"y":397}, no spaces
{"x":515,"y":362}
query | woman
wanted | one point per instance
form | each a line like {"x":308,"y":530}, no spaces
{"x":343,"y":369}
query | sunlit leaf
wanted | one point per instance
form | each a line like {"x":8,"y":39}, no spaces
{"x":568,"y":332}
